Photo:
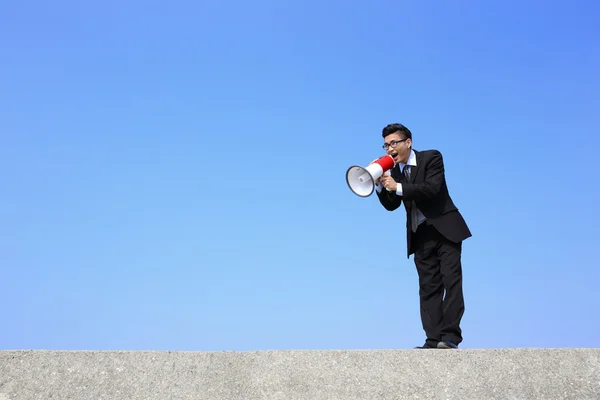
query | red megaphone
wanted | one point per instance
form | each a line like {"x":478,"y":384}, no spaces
{"x":361,"y":180}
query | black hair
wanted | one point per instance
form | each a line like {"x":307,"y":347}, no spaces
{"x":396,"y":128}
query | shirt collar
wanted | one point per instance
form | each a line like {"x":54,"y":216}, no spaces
{"x":412,"y":160}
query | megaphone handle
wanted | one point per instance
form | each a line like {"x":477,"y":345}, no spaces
{"x":387,"y":173}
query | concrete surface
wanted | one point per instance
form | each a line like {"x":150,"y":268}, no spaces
{"x":308,"y":375}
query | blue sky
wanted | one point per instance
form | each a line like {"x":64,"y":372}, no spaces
{"x":173,"y":177}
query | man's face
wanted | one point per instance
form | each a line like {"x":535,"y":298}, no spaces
{"x":398,"y":147}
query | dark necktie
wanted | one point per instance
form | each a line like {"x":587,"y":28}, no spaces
{"x":406,"y":172}
{"x":412,"y":208}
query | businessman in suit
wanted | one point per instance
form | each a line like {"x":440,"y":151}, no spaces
{"x":435,"y":230}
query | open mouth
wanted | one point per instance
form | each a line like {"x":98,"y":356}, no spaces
{"x":394,"y":155}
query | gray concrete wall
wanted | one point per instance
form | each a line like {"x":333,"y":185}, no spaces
{"x":307,"y":375}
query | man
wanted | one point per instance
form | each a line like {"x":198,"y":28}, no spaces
{"x":435,"y":230}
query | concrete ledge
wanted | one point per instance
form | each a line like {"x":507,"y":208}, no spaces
{"x":302,"y":375}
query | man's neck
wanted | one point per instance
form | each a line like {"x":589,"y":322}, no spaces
{"x":403,"y":163}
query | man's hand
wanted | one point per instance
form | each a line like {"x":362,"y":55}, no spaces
{"x":389,"y":183}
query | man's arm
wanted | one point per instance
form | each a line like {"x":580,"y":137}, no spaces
{"x":389,"y":200}
{"x":434,"y":177}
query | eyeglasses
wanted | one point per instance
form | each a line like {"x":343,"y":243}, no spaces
{"x":393,"y":144}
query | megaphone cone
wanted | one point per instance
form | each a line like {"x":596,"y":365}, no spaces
{"x":361,"y":180}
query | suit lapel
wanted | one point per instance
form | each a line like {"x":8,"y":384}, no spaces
{"x":396,"y":172}
{"x":414,"y":170}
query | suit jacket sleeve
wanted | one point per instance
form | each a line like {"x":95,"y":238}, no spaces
{"x":390,"y":200}
{"x":431,"y":185}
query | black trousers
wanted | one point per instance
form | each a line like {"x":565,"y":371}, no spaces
{"x":439,"y":268}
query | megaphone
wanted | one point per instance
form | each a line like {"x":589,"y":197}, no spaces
{"x":361,"y":180}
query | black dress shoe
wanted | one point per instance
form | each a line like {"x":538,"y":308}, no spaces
{"x":447,"y":344}
{"x":427,"y":346}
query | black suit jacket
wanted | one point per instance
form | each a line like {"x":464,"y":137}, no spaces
{"x":427,"y":188}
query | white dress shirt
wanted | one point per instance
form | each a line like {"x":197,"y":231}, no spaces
{"x":412,"y":162}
